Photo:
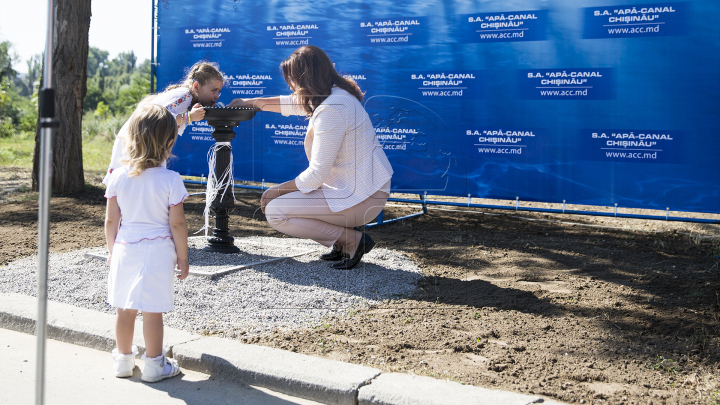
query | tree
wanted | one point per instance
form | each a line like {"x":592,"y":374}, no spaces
{"x":97,"y":58}
{"x":17,"y":113}
{"x":7,"y":57}
{"x":69,"y":77}
{"x":34,"y":65}
{"x":126,"y":62}
{"x":93,"y":97}
{"x":129,"y":95}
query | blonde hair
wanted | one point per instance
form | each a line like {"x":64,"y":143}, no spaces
{"x":201,"y":72}
{"x":151,"y":131}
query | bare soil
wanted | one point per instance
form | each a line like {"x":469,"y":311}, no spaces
{"x":562,"y":306}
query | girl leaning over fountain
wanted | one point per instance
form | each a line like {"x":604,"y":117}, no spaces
{"x":347,"y":182}
{"x":200,"y":88}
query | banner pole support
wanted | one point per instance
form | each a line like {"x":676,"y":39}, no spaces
{"x":152,"y":49}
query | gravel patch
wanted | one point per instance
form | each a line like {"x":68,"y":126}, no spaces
{"x":301,"y":291}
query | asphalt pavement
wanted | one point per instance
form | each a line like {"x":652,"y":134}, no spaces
{"x":215,"y":370}
{"x":79,"y":375}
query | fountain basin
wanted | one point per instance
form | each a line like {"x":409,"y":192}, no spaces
{"x":228,"y":116}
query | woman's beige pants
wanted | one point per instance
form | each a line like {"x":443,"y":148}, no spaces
{"x":308,"y":216}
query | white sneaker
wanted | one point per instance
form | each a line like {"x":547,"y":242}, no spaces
{"x":159,"y":368}
{"x":123,"y":364}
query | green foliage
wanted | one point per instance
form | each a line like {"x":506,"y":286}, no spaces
{"x":7,"y":57}
{"x":17,"y":150}
{"x":114,"y":87}
{"x":715,"y":397}
{"x":102,"y":110}
{"x":130,"y":95}
{"x":17,"y":114}
{"x":34,"y":65}
{"x":97,"y":60}
{"x":663,"y":364}
{"x":96,"y":154}
{"x":93,"y":96}
{"x":118,"y":83}
{"x":106,"y":126}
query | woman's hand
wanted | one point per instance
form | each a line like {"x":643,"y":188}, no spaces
{"x":197,"y":113}
{"x":276,"y":191}
{"x":269,"y":195}
{"x":184,"y":266}
{"x":271,"y":104}
{"x":241,"y":102}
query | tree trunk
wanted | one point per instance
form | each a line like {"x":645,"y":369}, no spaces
{"x":69,"y":77}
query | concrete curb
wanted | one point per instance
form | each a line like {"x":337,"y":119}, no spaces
{"x":408,"y":389}
{"x":79,"y":326}
{"x":309,"y":377}
{"x":317,"y":379}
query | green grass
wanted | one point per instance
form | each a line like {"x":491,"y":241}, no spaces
{"x":715,"y":398}
{"x":663,"y":364}
{"x":18,"y":151}
{"x":96,"y":154}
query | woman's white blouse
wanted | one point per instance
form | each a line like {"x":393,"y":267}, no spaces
{"x":346,"y":159}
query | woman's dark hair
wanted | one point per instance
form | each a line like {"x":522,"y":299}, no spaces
{"x":312,"y":75}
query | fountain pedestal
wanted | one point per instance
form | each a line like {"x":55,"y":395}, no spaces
{"x":224,"y":120}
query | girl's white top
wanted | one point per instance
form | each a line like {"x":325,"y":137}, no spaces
{"x":346,"y":159}
{"x":176,"y":100}
{"x":145,"y":202}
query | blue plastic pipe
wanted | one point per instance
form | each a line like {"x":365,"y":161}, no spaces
{"x":509,"y":208}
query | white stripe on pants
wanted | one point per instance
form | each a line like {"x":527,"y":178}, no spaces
{"x":308,"y":216}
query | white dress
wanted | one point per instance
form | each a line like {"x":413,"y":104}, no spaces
{"x":177,"y":101}
{"x":142,"y":267}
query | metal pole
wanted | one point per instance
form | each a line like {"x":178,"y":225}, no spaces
{"x":47,"y":115}
{"x":152,"y":49}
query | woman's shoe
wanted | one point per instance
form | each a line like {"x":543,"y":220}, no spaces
{"x":334,"y":255}
{"x":364,"y":246}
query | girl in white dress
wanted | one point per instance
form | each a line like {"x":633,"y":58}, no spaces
{"x":146,"y":235}
{"x":200,"y":88}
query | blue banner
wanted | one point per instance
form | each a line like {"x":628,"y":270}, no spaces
{"x":645,"y":20}
{"x":401,"y":31}
{"x":596,"y":104}
{"x":565,"y":84}
{"x":503,"y":27}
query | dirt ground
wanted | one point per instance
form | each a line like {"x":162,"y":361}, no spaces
{"x":562,"y":306}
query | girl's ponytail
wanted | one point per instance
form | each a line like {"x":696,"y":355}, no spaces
{"x":201,"y":72}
